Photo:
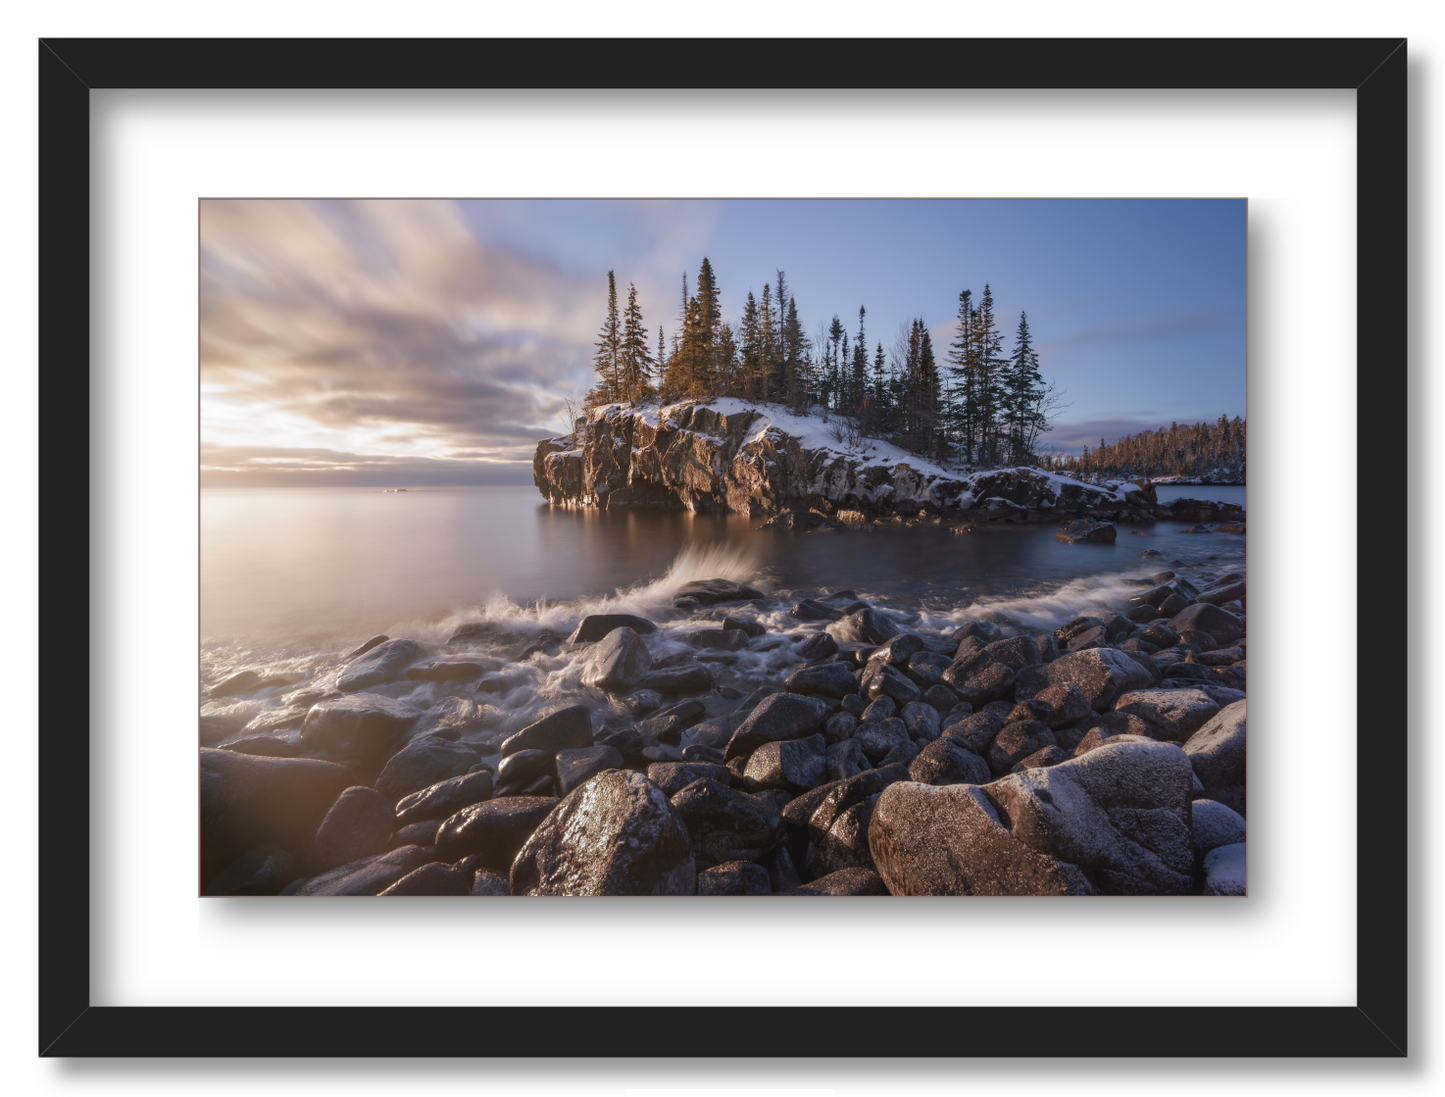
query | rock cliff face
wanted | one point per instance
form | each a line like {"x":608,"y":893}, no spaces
{"x":760,"y":460}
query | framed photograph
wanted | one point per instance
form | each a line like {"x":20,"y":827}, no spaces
{"x":523,"y":572}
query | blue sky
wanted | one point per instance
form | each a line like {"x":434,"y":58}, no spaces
{"x":434,"y":342}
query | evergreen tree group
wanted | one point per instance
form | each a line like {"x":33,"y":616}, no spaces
{"x":1215,"y":450}
{"x":981,"y":407}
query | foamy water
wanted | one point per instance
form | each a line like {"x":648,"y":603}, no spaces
{"x":293,"y":580}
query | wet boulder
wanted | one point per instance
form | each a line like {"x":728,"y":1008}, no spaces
{"x":523,"y":766}
{"x":922,"y":721}
{"x":1015,"y":653}
{"x":714,"y":639}
{"x":866,"y":626}
{"x":383,"y":663}
{"x":979,"y":678}
{"x":494,"y":830}
{"x":827,"y":679}
{"x":709,"y":592}
{"x":1016,"y":742}
{"x":795,"y":765}
{"x":950,"y":840}
{"x":899,"y":650}
{"x":727,"y":824}
{"x":1098,"y":730}
{"x":887,"y":681}
{"x":673,"y":777}
{"x":845,"y":759}
{"x":1217,"y":753}
{"x":577,"y":766}
{"x":847,"y":881}
{"x":977,"y":730}
{"x":249,"y":801}
{"x":948,"y":762}
{"x":840,"y":726}
{"x":362,"y":724}
{"x":684,"y":678}
{"x":1049,"y":756}
{"x":370,"y":876}
{"x":1084,"y":530}
{"x":422,"y":763}
{"x":358,"y":825}
{"x":1103,"y":675}
{"x":1224,"y":870}
{"x":1120,"y":813}
{"x":445,"y":797}
{"x":942,"y":698}
{"x":261,"y":871}
{"x":569,"y":728}
{"x":490,"y":882}
{"x":618,"y":662}
{"x":1172,"y":715}
{"x":431,"y":879}
{"x":595,"y":626}
{"x":810,"y":609}
{"x":1215,"y":825}
{"x":844,"y":844}
{"x":878,"y":737}
{"x":882,"y":709}
{"x":734,"y":878}
{"x":1224,"y":626}
{"x":777,"y":717}
{"x":925,"y":669}
{"x":817,"y":647}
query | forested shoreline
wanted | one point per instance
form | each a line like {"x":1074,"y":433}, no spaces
{"x":976,"y":405}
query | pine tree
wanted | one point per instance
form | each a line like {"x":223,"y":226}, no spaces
{"x":858,"y":383}
{"x":1023,"y":392}
{"x":636,"y":362}
{"x":964,"y":379}
{"x":772,"y":354}
{"x":988,"y":346}
{"x":607,"y":360}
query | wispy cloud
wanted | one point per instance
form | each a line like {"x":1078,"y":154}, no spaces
{"x":385,"y":324}
{"x":1137,"y":328}
{"x":302,"y":466}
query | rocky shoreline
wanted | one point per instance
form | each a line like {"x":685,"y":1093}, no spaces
{"x":835,"y":748}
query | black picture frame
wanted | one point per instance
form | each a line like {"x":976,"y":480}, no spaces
{"x":69,"y":68}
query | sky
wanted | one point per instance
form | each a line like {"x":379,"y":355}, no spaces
{"x":396,"y":343}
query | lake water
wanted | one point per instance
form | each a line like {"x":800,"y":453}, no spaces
{"x":292,"y":578}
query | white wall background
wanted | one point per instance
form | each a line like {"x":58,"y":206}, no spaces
{"x":17,"y":964}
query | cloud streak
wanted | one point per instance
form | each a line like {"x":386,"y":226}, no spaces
{"x":1138,"y":328}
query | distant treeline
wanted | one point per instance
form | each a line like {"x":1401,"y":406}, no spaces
{"x":1215,"y":450}
{"x":981,"y":406}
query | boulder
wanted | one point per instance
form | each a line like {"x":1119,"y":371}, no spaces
{"x":844,"y":844}
{"x":261,"y":871}
{"x":1215,"y":825}
{"x":810,"y":609}
{"x":489,"y":881}
{"x":840,"y":726}
{"x":1217,"y":595}
{"x":727,"y":824}
{"x":383,"y":663}
{"x":684,"y":678}
{"x":1015,"y":653}
{"x":1103,"y":675}
{"x":1120,"y":813}
{"x":454,"y":715}
{"x":268,"y":745}
{"x":445,"y":798}
{"x":878,"y":737}
{"x":847,"y":881}
{"x":710,"y":592}
{"x":1015,"y":742}
{"x":431,"y":879}
{"x":977,"y":731}
{"x":818,"y":646}
{"x":1084,"y":530}
{"x":618,"y":662}
{"x":734,"y":878}
{"x":777,"y":717}
{"x":579,"y":765}
{"x":364,"y":648}
{"x":673,"y":777}
{"x":887,"y":681}
{"x":866,"y":626}
{"x":795,"y":765}
{"x":494,"y":830}
{"x":566,"y":729}
{"x":249,"y":802}
{"x":1217,"y":752}
{"x":358,"y":825}
{"x":828,"y":679}
{"x":1224,"y":870}
{"x":714,"y":639}
{"x":1169,"y":714}
{"x":371,"y":876}
{"x":882,"y":709}
{"x":1109,"y":727}
{"x":950,"y":840}
{"x":595,"y":626}
{"x":615,"y":835}
{"x":899,"y":650}
{"x":844,"y":759}
{"x":942,"y":698}
{"x":980,"y":678}
{"x":925,"y":669}
{"x":217,"y":726}
{"x":422,"y":763}
{"x":524,"y":766}
{"x":244,"y":681}
{"x":748,"y":627}
{"x":922,"y":721}
{"x":1224,"y":626}
{"x":1049,"y":756}
{"x":362,"y":724}
{"x":445,"y":670}
{"x":948,"y":762}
